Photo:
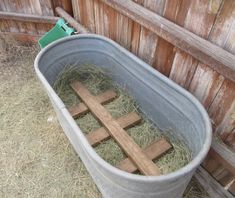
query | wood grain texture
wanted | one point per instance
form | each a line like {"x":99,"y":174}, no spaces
{"x":101,"y":134}
{"x":21,"y":37}
{"x":148,"y":39}
{"x":221,"y":159}
{"x":223,"y":32}
{"x":205,"y":84}
{"x":232,"y":188}
{"x":135,"y":35}
{"x":135,"y":38}
{"x":34,"y":8}
{"x":71,"y":20}
{"x":10,"y":7}
{"x":217,"y":58}
{"x":145,"y":165}
{"x":77,"y":10}
{"x":199,"y":12}
{"x":222,"y":107}
{"x":183,"y":69}
{"x":220,"y":162}
{"x":165,"y":52}
{"x":123,"y":30}
{"x":89,"y":20}
{"x":153,"y":151}
{"x":47,"y":8}
{"x":213,"y":188}
{"x":65,"y":4}
{"x":28,"y":17}
{"x":102,"y":98}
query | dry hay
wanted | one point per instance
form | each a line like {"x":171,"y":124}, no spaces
{"x":36,"y":159}
{"x":97,"y":81}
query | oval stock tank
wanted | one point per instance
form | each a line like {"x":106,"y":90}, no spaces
{"x":165,"y":103}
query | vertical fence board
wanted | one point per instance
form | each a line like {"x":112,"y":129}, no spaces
{"x":135,"y":38}
{"x":90,"y":18}
{"x":65,"y":4}
{"x":46,"y":7}
{"x":10,"y":6}
{"x":222,"y":30}
{"x":164,"y":54}
{"x":4,"y":26}
{"x":77,"y":10}
{"x":148,"y":39}
{"x":223,"y":104}
{"x":199,"y":20}
{"x":205,"y":84}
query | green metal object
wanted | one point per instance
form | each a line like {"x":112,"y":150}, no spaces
{"x":60,"y":30}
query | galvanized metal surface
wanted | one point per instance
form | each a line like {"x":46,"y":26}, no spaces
{"x":169,"y":106}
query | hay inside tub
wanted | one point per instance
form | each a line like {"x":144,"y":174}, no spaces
{"x":143,"y":134}
{"x":48,"y":165}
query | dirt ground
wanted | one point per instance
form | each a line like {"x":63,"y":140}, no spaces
{"x":36,"y":158}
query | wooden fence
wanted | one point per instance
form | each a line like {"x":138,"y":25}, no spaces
{"x":22,"y":26}
{"x":213,"y":20}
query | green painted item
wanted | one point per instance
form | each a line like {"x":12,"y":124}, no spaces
{"x":60,"y":30}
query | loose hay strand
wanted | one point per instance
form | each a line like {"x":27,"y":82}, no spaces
{"x":144,"y":133}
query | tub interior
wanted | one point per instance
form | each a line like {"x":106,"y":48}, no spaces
{"x":162,"y":101}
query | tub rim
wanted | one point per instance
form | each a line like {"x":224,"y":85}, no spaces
{"x":140,"y":178}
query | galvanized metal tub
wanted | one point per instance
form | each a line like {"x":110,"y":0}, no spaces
{"x":169,"y":106}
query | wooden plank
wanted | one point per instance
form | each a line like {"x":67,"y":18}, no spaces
{"x":64,"y":4}
{"x":109,"y":22}
{"x":101,"y":134}
{"x":229,"y":138}
{"x":77,"y":10}
{"x":145,"y":165}
{"x":225,"y":178}
{"x":183,"y":69}
{"x":223,"y":155}
{"x":211,"y":165}
{"x":102,"y":98}
{"x":205,"y":84}
{"x":222,"y":107}
{"x":47,"y":7}
{"x":148,"y":39}
{"x":147,"y":45}
{"x":232,"y":188}
{"x":217,"y":58}
{"x":9,"y":6}
{"x":42,"y":28}
{"x":164,"y":54}
{"x":35,"y":6}
{"x":153,"y":151}
{"x":83,"y":12}
{"x":213,"y":188}
{"x":28,"y":7}
{"x":90,"y":18}
{"x":135,"y":37}
{"x":98,"y":14}
{"x":185,"y":66}
{"x":71,"y":20}
{"x":223,"y":104}
{"x":225,"y":126}
{"x":28,"y":17}
{"x":22,"y":37}
{"x":223,"y":32}
{"x":124,"y":31}
{"x":221,"y":160}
